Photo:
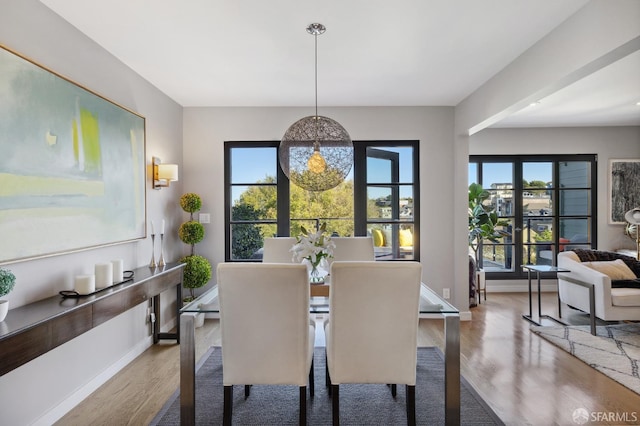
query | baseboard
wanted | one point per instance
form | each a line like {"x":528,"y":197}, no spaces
{"x":464,"y":316}
{"x":68,"y":404}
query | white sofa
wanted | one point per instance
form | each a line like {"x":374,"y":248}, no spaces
{"x":611,"y":304}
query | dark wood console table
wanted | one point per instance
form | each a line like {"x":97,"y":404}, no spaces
{"x":36,"y":328}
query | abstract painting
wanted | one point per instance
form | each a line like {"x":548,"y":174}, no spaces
{"x":624,"y":188}
{"x":72,"y":165}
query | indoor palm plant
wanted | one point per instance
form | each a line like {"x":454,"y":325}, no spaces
{"x":7,"y":281}
{"x":484,"y":223}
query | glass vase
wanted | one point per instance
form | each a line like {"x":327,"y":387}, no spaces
{"x":316,"y":273}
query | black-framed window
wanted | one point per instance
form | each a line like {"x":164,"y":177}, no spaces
{"x":388,"y":192}
{"x":548,"y":201}
{"x":380,"y":197}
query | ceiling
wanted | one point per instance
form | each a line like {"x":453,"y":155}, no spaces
{"x":374,"y":53}
{"x":608,"y":97}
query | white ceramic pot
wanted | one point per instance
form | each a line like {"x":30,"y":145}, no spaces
{"x":4,"y":308}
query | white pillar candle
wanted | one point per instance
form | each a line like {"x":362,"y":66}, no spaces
{"x":162,"y":230}
{"x":104,"y":275}
{"x":85,"y":284}
{"x":118,"y":270}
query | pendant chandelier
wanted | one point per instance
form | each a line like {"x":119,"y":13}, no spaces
{"x":316,"y":152}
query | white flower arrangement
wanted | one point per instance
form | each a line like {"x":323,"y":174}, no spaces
{"x":313,"y":246}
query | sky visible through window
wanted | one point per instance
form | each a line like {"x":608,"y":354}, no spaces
{"x":503,"y":172}
{"x":382,"y":175}
{"x":250,"y":165}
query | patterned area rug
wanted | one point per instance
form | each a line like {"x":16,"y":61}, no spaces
{"x":614,"y":351}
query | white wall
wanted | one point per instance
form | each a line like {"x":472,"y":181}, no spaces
{"x":45,"y":388}
{"x":206,"y":129}
{"x":606,"y":142}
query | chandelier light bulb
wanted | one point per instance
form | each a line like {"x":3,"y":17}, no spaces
{"x":316,"y":162}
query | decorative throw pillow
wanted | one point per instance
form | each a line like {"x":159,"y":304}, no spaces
{"x":406,"y":238}
{"x":378,"y":238}
{"x":615,"y":269}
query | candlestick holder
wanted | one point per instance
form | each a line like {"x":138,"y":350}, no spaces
{"x":161,"y":261}
{"x":153,"y":264}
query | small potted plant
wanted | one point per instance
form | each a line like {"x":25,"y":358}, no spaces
{"x":7,"y":281}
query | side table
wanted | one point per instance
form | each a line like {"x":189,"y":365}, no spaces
{"x":538,"y":269}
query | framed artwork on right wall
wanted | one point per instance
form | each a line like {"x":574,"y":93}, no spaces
{"x":624,"y":188}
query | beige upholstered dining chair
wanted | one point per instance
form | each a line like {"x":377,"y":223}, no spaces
{"x":353,"y":249}
{"x":372,"y":331}
{"x":277,"y":250}
{"x":254,"y":352}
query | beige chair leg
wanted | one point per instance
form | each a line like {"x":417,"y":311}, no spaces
{"x":335,"y":390}
{"x":228,"y":406}
{"x":303,"y":406}
{"x":411,"y":405}
{"x":311,"y":381}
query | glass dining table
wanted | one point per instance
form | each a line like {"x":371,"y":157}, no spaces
{"x":431,"y":306}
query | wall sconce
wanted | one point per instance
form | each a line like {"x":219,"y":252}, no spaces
{"x":163,"y":174}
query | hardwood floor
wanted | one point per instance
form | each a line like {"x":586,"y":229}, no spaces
{"x":525,"y":379}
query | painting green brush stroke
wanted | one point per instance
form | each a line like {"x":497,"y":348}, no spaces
{"x":90,"y":141}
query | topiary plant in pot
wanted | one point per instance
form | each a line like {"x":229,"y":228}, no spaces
{"x":191,"y":232}
{"x":191,"y":203}
{"x":7,"y":282}
{"x":197,"y":271}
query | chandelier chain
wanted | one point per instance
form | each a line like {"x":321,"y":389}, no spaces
{"x":315,"y":37}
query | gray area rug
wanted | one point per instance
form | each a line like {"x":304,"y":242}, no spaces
{"x":359,"y":404}
{"x":614,"y":351}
